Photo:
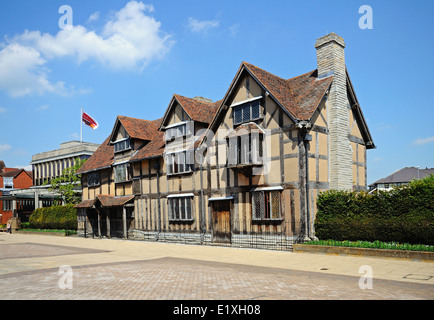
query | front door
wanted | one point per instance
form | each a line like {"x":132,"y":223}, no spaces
{"x":221,"y":228}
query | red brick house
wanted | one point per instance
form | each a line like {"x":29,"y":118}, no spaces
{"x":12,"y":179}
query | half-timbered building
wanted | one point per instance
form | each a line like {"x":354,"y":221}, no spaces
{"x":245,"y":168}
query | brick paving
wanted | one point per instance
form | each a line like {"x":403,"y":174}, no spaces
{"x":184,"y":279}
{"x":174,"y":278}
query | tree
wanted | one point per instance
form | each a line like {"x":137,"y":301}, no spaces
{"x":69,"y":183}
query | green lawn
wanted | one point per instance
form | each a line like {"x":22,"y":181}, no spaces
{"x":373,"y":245}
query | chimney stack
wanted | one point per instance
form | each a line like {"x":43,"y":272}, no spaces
{"x":331,"y":62}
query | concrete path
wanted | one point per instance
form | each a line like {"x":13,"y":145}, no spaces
{"x":122,"y":269}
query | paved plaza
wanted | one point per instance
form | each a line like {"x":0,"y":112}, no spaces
{"x":35,"y":267}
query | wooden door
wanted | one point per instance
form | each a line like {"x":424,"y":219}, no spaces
{"x":221,"y":221}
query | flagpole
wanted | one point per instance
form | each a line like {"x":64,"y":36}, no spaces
{"x":81,"y":125}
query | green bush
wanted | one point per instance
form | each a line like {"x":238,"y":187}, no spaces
{"x":56,"y":217}
{"x":405,"y":214}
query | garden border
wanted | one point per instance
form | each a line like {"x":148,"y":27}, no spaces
{"x":382,"y":253}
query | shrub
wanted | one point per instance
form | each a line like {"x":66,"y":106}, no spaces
{"x":405,"y":214}
{"x":56,"y":217}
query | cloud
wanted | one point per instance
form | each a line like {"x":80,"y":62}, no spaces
{"x":129,"y":41}
{"x":201,"y":26}
{"x":93,"y":17}
{"x":26,"y":167}
{"x":22,"y":72}
{"x":233,"y":29}
{"x":5,"y":147}
{"x":2,"y":109}
{"x":43,"y":107}
{"x":420,"y":141}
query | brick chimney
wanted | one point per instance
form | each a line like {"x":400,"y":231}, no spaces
{"x":331,"y":61}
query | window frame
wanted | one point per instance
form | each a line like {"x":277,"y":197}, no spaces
{"x":126,"y":167}
{"x":171,"y":164}
{"x":94,"y":184}
{"x":266,"y":198}
{"x":244,"y":105}
{"x":7,"y":205}
{"x":8,"y":182}
{"x":183,"y":206}
{"x":174,"y":131}
{"x":125,"y":141}
{"x":239,"y":152}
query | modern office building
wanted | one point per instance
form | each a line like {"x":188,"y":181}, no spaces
{"x":45,"y":166}
{"x":50,"y":164}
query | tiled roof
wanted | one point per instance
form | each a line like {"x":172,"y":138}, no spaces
{"x":13,"y":172}
{"x":85,"y":204}
{"x":153,"y":149}
{"x":105,"y":200}
{"x":198,"y":110}
{"x":101,"y":158}
{"x":406,"y":175}
{"x":112,"y":201}
{"x":139,"y":128}
{"x":300,"y":95}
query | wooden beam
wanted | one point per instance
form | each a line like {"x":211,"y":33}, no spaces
{"x":124,"y":222}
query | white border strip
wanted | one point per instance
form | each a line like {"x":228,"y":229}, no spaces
{"x":245,"y":101}
{"x":266,"y":189}
{"x":180,"y":195}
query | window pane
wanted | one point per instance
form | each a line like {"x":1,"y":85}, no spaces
{"x":232,"y":151}
{"x":169,"y":163}
{"x":181,"y":162}
{"x":176,"y":207}
{"x":245,"y":149}
{"x":246,"y":112}
{"x":275,"y":204}
{"x":255,"y":109}
{"x":267,"y":205}
{"x":238,"y":115}
{"x":182,"y":208}
{"x":189,"y":161}
{"x":188,"y":208}
{"x":256,"y":200}
{"x":169,"y":208}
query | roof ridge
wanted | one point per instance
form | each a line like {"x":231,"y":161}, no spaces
{"x":244,"y":62}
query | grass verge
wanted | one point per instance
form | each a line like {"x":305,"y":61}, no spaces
{"x":373,"y":245}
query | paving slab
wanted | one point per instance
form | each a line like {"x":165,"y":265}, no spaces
{"x":100,"y":269}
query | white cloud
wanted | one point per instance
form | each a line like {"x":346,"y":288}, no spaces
{"x":233,"y":29}
{"x":43,"y":107}
{"x":26,"y":167}
{"x":5,"y":147}
{"x":129,"y":41}
{"x":93,"y":17}
{"x":2,"y":109}
{"x":22,"y":72}
{"x":202,"y":26}
{"x":419,"y":141}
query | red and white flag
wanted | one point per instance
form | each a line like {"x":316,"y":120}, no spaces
{"x":88,"y":120}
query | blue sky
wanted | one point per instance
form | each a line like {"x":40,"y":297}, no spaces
{"x":128,"y":58}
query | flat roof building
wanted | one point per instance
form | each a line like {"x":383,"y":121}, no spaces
{"x":50,"y":164}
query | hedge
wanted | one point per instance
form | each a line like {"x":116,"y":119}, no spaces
{"x":56,"y":217}
{"x":404,"y":214}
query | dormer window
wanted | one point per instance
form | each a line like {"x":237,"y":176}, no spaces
{"x":8,"y":182}
{"x":122,"y":145}
{"x":247,"y":110}
{"x":177,"y":130}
